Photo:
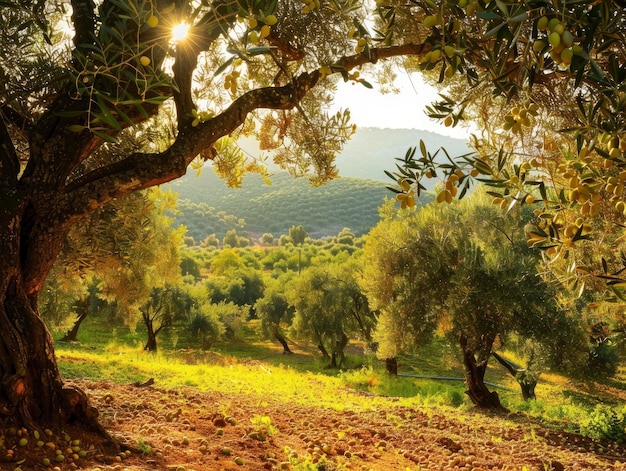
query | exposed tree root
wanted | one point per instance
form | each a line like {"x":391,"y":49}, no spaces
{"x":76,"y":408}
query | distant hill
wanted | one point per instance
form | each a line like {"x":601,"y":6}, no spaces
{"x":371,"y":151}
{"x":207,"y":206}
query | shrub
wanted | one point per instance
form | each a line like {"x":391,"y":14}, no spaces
{"x":603,"y":360}
{"x":205,"y":326}
{"x":604,"y":422}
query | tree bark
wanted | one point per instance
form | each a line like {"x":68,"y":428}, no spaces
{"x":475,"y":380}
{"x":32,"y":393}
{"x":151,"y":343}
{"x":322,"y":349}
{"x":340,"y":346}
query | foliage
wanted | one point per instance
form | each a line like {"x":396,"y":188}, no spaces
{"x":551,"y":131}
{"x":155,"y":264}
{"x":448,"y":268}
{"x":605,"y":422}
{"x":163,"y":307}
{"x":329,"y":307}
{"x":231,"y":239}
{"x":205,"y":325}
{"x":273,"y":309}
{"x":241,"y":286}
{"x":263,"y":425}
{"x":603,"y":360}
{"x":125,"y":249}
{"x":297,"y":235}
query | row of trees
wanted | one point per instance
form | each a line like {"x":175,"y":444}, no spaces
{"x":258,"y":208}
{"x":463,"y":271}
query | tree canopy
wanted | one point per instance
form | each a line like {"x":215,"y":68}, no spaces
{"x":465,"y":271}
{"x":545,"y":84}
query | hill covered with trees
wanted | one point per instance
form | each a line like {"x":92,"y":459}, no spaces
{"x":258,"y":208}
{"x":207,"y":206}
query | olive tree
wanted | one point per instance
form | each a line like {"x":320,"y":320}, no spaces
{"x":465,"y":269}
{"x":329,"y":309}
{"x":275,"y":312}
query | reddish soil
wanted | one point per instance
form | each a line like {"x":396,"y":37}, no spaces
{"x":189,"y":430}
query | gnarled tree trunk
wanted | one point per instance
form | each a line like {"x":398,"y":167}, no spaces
{"x":151,"y":342}
{"x":475,"y":379}
{"x":32,"y":393}
{"x":72,"y":334}
{"x":283,"y":341}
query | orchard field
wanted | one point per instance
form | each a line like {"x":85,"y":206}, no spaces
{"x":245,"y":405}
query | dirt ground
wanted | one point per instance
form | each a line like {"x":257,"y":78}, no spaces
{"x":188,"y":430}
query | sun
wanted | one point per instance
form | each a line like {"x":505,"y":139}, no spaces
{"x":180,"y":32}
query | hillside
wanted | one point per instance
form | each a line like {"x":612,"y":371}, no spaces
{"x":373,"y":150}
{"x":207,"y":206}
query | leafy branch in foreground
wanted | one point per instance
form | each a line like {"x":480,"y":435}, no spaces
{"x":547,"y":88}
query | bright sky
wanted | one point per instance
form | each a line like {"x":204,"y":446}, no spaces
{"x":405,"y":110}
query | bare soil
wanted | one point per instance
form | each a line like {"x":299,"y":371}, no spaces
{"x":190,"y":430}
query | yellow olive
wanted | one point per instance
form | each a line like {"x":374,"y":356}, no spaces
{"x":430,"y":21}
{"x":152,"y":21}
{"x":566,"y":56}
{"x":567,"y":39}
{"x":554,"y":39}
{"x":542,"y":23}
{"x":538,"y":46}
{"x":553,"y":23}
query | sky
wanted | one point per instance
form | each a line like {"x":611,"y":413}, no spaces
{"x":405,"y":110}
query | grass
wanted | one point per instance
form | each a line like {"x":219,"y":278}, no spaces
{"x":259,"y":368}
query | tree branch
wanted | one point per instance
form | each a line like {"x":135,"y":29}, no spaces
{"x":141,"y":170}
{"x":200,"y":37}
{"x":14,"y":117}
{"x":84,"y":19}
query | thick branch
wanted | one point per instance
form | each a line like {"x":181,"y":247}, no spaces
{"x":511,"y":368}
{"x":14,"y":118}
{"x":139,"y":170}
{"x":201,"y":36}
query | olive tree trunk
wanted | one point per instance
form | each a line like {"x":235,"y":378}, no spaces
{"x":32,"y":393}
{"x":72,"y":334}
{"x":475,"y":370}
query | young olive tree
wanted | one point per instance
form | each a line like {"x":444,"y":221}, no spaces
{"x":329,"y":309}
{"x":275,"y":312}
